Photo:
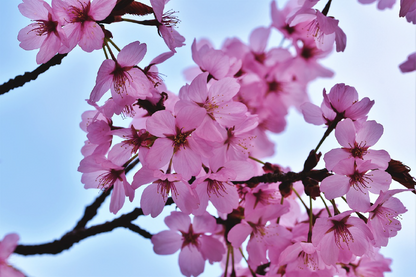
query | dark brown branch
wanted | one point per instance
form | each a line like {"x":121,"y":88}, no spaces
{"x":91,"y":210}
{"x":20,"y":80}
{"x":286,"y":177}
{"x":76,"y":235}
{"x":138,"y":230}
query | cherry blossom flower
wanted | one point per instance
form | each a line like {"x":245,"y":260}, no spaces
{"x":166,"y":23}
{"x":340,"y":236}
{"x":383,"y":216}
{"x":354,"y":178}
{"x":175,"y":140}
{"x":341,"y":101}
{"x":155,"y":195}
{"x":79,"y":19}
{"x":356,"y":143}
{"x":216,"y":62}
{"x":127,"y":82}
{"x":103,"y":173}
{"x":7,"y":246}
{"x":221,"y":109}
{"x":323,"y":29}
{"x":263,"y":237}
{"x":45,"y":34}
{"x":192,"y":238}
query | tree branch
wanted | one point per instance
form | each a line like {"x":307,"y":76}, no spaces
{"x":20,"y":80}
{"x":76,"y":235}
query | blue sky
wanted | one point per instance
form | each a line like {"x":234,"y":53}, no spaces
{"x":41,"y":196}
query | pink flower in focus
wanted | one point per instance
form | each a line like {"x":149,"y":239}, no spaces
{"x":409,"y":65}
{"x":175,"y":140}
{"x":195,"y":244}
{"x":79,"y":19}
{"x":127,"y":82}
{"x":7,"y":246}
{"x":103,"y":173}
{"x":155,"y":195}
{"x":383,"y":216}
{"x":355,"y":144}
{"x":342,"y":102}
{"x":354,"y":178}
{"x":340,"y":236}
{"x":166,"y":23}
{"x":45,"y":34}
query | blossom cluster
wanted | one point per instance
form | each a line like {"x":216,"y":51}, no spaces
{"x":202,"y":145}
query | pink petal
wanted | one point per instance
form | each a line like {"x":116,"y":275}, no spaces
{"x":178,"y":221}
{"x":100,"y":9}
{"x":190,"y":117}
{"x":132,"y":54}
{"x":204,"y":223}
{"x":197,"y":90}
{"x":92,"y":37}
{"x":34,"y":9}
{"x":152,"y":202}
{"x":345,"y":133}
{"x":117,"y":197}
{"x":186,"y":162}
{"x":161,"y":124}
{"x":369,"y":133}
{"x":166,"y":242}
{"x":211,"y":248}
{"x":335,"y":186}
{"x":7,"y":245}
{"x":29,"y":40}
{"x":48,"y":49}
{"x":191,"y":261}
{"x":144,"y":176}
{"x":238,"y":234}
{"x":312,"y":113}
{"x":160,"y":153}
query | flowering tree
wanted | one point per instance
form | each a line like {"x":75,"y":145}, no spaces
{"x":197,"y":156}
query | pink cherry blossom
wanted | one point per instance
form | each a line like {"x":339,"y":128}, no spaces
{"x":356,"y":143}
{"x":45,"y":34}
{"x":216,"y":62}
{"x":7,"y":246}
{"x":193,"y":240}
{"x":383,"y":216}
{"x":167,"y":22}
{"x":218,"y":102}
{"x":79,"y":19}
{"x":155,"y":195}
{"x":341,"y":102}
{"x":175,"y":140}
{"x":103,"y":173}
{"x":127,"y":82}
{"x":340,"y":236}
{"x":323,"y":29}
{"x":355,"y":178}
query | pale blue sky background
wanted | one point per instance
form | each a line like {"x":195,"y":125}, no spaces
{"x":41,"y":196}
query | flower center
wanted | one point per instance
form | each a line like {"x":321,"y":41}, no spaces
{"x":107,"y":179}
{"x":80,"y":14}
{"x":45,"y":27}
